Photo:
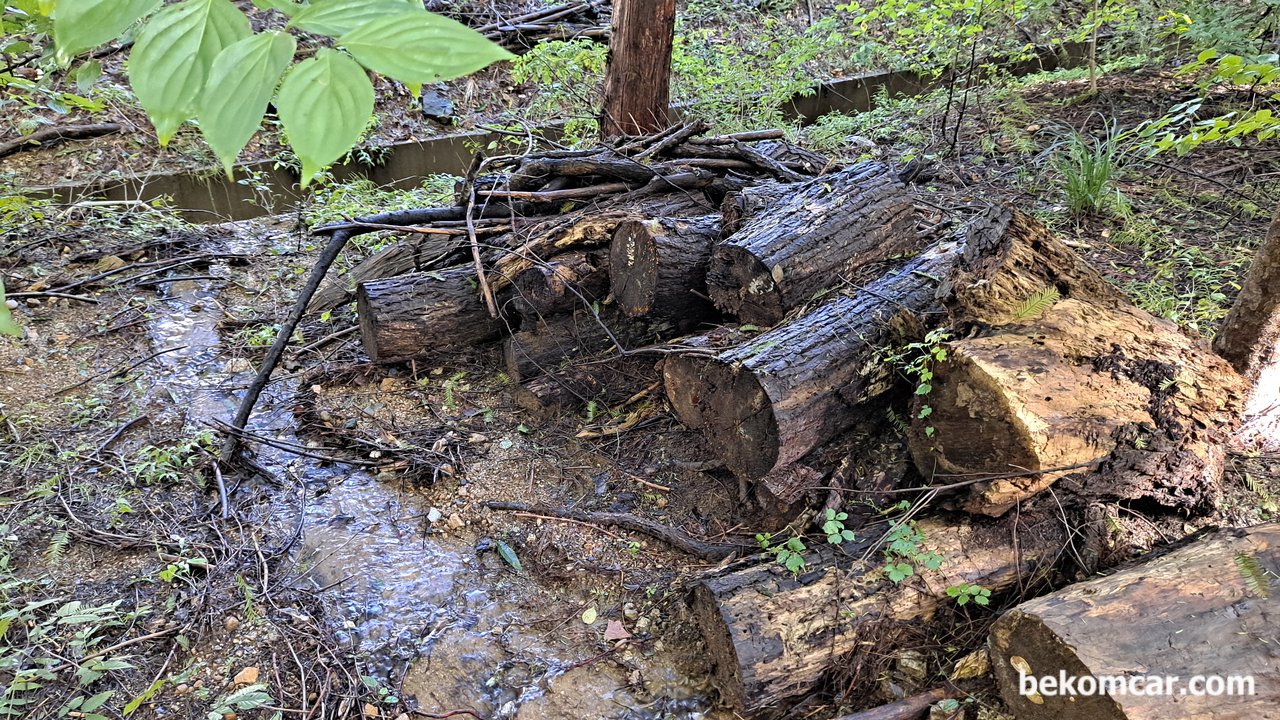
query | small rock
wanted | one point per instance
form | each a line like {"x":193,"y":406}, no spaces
{"x":484,"y":544}
{"x":232,"y":623}
{"x":629,"y":611}
{"x":182,"y":689}
{"x":33,"y":302}
{"x":1033,"y":127}
{"x":370,"y":710}
{"x":462,"y":491}
{"x":435,"y":105}
{"x":402,"y":716}
{"x":455,"y":521}
{"x":11,"y":304}
{"x":477,"y":438}
{"x":238,"y":365}
{"x":913,"y":664}
{"x":109,"y":262}
{"x":388,"y":384}
{"x":247,"y":676}
{"x":434,"y":515}
{"x":642,"y":624}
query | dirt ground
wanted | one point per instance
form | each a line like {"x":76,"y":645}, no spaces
{"x":357,"y":571}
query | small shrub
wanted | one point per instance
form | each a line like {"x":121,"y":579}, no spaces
{"x":1088,"y":167}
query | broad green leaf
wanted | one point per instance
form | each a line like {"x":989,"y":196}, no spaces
{"x":421,"y":47}
{"x":241,"y":82}
{"x":325,"y":104}
{"x":509,"y":555}
{"x":334,"y":18}
{"x":80,"y":25}
{"x":87,"y":74}
{"x":172,"y":57}
{"x":7,"y":327}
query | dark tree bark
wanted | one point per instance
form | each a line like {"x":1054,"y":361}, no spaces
{"x":637,"y":95}
{"x":1251,"y":330}
{"x":805,"y":242}
{"x":1205,"y":609}
{"x":658,"y":267}
{"x":767,"y":402}
{"x":410,"y":316}
{"x":567,"y":281}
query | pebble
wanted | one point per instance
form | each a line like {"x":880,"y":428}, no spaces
{"x":182,"y":689}
{"x":455,"y":521}
{"x":232,"y":623}
{"x":629,"y":611}
{"x":33,"y":302}
{"x":247,"y":676}
{"x":434,"y":515}
{"x":11,"y":304}
{"x":642,"y":624}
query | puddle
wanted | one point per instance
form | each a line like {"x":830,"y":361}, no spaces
{"x":460,"y":627}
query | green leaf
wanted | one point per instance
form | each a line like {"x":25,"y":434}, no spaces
{"x":241,"y":82}
{"x":96,"y":701}
{"x":173,"y":55}
{"x":7,"y":327}
{"x":338,"y":17}
{"x":80,"y":25}
{"x":284,"y":6}
{"x":324,"y":103}
{"x":87,"y":74}
{"x":509,"y":555}
{"x":420,"y":47}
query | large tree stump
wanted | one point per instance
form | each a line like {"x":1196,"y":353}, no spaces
{"x":658,"y":267}
{"x":410,"y":316}
{"x":803,"y":243}
{"x":773,"y":636}
{"x":1066,"y":373}
{"x":770,"y":400}
{"x":1207,"y":609}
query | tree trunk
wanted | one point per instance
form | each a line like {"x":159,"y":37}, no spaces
{"x":1251,"y":330}
{"x":410,"y":316}
{"x":774,"y":636}
{"x":1206,"y":609}
{"x":637,"y":96}
{"x":658,"y":267}
{"x":567,"y":281}
{"x":1062,"y":381}
{"x":770,"y":400}
{"x":802,"y":244}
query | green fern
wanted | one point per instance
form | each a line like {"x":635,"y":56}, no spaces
{"x":1255,"y":577}
{"x":1037,"y":303}
{"x":57,"y":546}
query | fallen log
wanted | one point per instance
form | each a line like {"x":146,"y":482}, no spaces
{"x":545,"y":346}
{"x":658,"y":267}
{"x":802,"y":244}
{"x":1065,"y":374}
{"x":774,"y":635}
{"x":1203,"y":611}
{"x":606,"y":381}
{"x":740,"y":207}
{"x":567,"y":281}
{"x":409,"y":316}
{"x":770,"y":400}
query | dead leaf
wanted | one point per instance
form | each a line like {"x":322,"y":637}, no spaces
{"x":615,"y":631}
{"x":589,"y":615}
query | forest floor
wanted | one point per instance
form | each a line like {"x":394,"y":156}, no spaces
{"x":358,"y":572}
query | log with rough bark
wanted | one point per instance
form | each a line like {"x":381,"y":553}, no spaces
{"x":768,"y":401}
{"x":658,"y":267}
{"x":567,"y":281}
{"x":410,"y":316}
{"x":774,"y":636}
{"x":606,"y":381}
{"x":544,"y":346}
{"x":1067,"y":377}
{"x":803,"y":243}
{"x":747,"y":203}
{"x":1207,"y":609}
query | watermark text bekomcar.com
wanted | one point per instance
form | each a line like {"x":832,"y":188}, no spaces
{"x":1064,"y":685}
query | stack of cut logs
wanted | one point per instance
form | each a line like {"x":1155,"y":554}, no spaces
{"x":1059,"y":406}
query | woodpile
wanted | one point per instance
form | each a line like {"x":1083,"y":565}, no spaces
{"x":778,"y":296}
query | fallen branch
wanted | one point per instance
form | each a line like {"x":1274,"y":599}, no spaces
{"x":711,"y":552}
{"x":51,"y":135}
{"x":909,"y":708}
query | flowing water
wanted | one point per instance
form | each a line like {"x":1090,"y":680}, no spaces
{"x":467,"y":631}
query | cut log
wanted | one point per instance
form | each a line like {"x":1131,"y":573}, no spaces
{"x":1059,"y":382}
{"x":658,"y":267}
{"x":767,"y":402}
{"x":569,"y":280}
{"x":606,"y":381}
{"x":410,"y":316}
{"x":773,"y":636}
{"x":740,"y":207}
{"x":545,"y":346}
{"x":1206,"y":610}
{"x":802,"y":245}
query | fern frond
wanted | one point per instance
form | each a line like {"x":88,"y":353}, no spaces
{"x":57,"y":546}
{"x":1037,"y":303}
{"x":1255,"y":577}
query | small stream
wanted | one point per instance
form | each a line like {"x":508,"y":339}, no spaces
{"x":454,"y":622}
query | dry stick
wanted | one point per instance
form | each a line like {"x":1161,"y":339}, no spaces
{"x":674,"y":139}
{"x":469,"y":189}
{"x":711,"y":552}
{"x":557,"y":195}
{"x":909,"y":708}
{"x":116,"y":372}
{"x":49,"y":135}
{"x":326,"y":259}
